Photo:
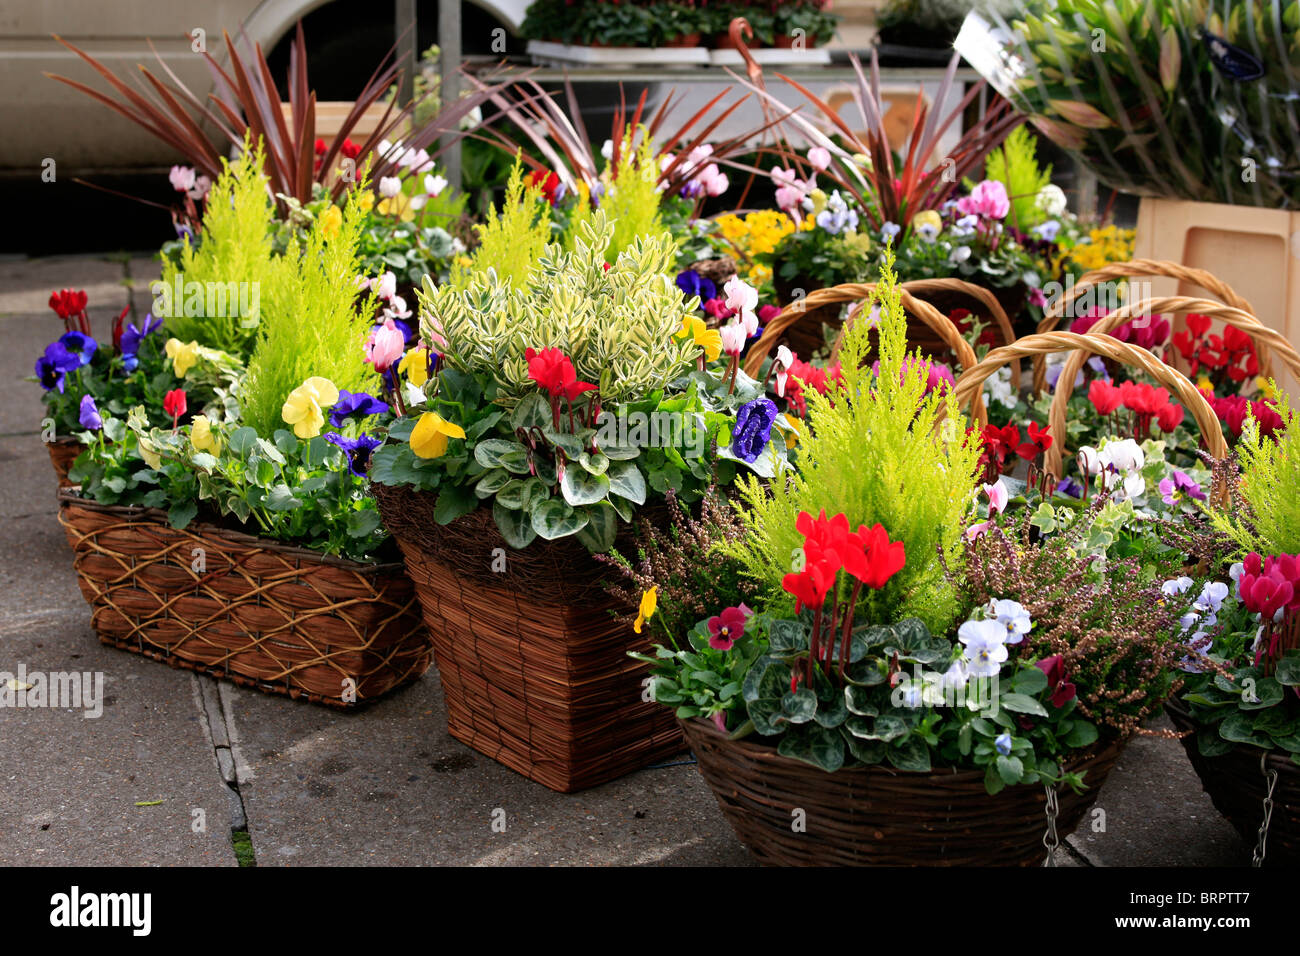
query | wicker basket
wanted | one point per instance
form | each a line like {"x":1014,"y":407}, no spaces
{"x":63,"y":452}
{"x":1137,"y":269}
{"x":1237,"y":785}
{"x":260,"y":613}
{"x":533,"y":662}
{"x":875,"y":816}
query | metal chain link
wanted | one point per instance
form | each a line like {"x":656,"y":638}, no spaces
{"x":1257,"y":858}
{"x":1050,"y":840}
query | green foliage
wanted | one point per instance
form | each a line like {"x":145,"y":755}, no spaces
{"x":876,"y":452}
{"x":1014,"y":164}
{"x":310,"y":324}
{"x":281,"y":487}
{"x":235,"y":247}
{"x":616,"y":325}
{"x":631,"y":202}
{"x":1270,"y":475}
{"x":511,"y":239}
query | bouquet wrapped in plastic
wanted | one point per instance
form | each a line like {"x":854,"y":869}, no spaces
{"x":1187,"y":99}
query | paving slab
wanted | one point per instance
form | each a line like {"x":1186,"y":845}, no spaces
{"x":1155,"y":813}
{"x":388,"y":786}
{"x":26,"y":284}
{"x":70,"y":784}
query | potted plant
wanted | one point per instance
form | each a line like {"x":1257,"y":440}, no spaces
{"x":908,"y":687}
{"x":803,"y":25}
{"x":237,"y":540}
{"x":1241,"y":712}
{"x":560,"y":402}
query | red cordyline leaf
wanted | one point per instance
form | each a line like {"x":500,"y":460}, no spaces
{"x":245,"y":99}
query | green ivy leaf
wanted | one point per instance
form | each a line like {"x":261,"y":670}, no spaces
{"x":182,"y":513}
{"x":454,"y":502}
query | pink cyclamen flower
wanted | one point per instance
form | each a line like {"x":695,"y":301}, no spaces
{"x":733,"y":338}
{"x":385,"y":346}
{"x":202,"y":185}
{"x":988,"y":199}
{"x":182,"y":178}
{"x":397,"y":308}
{"x":713,"y":181}
{"x":819,"y":157}
{"x":998,"y":495}
{"x":385,"y":286}
{"x":743,"y":299}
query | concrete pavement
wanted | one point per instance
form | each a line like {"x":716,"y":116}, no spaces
{"x":182,"y":769}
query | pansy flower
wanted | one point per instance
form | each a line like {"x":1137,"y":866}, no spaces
{"x":753,"y":429}
{"x":355,"y":405}
{"x":728,"y":627}
{"x":88,"y":414}
{"x":80,"y":345}
{"x":431,"y":434}
{"x":133,"y":337}
{"x":692,"y":284}
{"x":357,"y":449}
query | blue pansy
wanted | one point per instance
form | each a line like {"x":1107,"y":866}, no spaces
{"x":753,"y":429}
{"x":132,"y":337}
{"x":357,"y":449}
{"x":355,"y":405}
{"x":692,"y":283}
{"x":80,"y":345}
{"x":89,"y":414}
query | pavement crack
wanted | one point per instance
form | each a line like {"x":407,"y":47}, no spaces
{"x":213,"y":705}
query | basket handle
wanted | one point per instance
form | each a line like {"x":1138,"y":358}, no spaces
{"x":860,"y":292}
{"x":1045,"y":343}
{"x":924,"y":288}
{"x":1159,"y":268}
{"x":1262,"y":334}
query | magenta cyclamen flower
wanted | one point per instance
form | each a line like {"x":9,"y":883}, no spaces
{"x":385,"y":345}
{"x":1270,"y":584}
{"x":988,"y":199}
{"x":727,"y":627}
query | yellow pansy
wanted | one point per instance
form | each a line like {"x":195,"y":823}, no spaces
{"x":415,"y":366}
{"x":183,"y":355}
{"x":366,"y":200}
{"x":330,"y":221}
{"x":202,"y":437}
{"x":792,"y":435}
{"x":1204,"y":384}
{"x":303,"y":408}
{"x":706,"y":338}
{"x":398,"y":206}
{"x":859,"y":242}
{"x":928,"y":217}
{"x":818,"y":197}
{"x":430,"y":435}
{"x":649,"y":600}
{"x":1266,"y":387}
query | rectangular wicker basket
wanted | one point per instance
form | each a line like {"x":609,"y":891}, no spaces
{"x":257,"y":612}
{"x":533,"y":660}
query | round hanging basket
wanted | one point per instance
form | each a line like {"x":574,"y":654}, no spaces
{"x":878,"y":816}
{"x":1237,"y":783}
{"x":532,"y":654}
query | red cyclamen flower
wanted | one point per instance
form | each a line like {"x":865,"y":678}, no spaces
{"x":174,"y":404}
{"x":552,"y":370}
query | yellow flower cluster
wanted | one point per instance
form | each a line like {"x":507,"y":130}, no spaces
{"x":1103,"y":246}
{"x":754,"y":234}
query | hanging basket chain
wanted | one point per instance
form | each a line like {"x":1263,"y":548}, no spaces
{"x":1257,"y":858}
{"x":1050,"y":840}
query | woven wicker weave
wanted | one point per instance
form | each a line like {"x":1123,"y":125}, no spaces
{"x":934,"y":332}
{"x":533,"y":662}
{"x":1236,"y":786}
{"x":876,"y":816}
{"x":971,"y":383}
{"x":1139,"y":268}
{"x":63,"y":452}
{"x":281,"y":619}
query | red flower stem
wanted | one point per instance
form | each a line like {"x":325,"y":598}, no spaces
{"x":846,"y":636}
{"x":830,"y":633}
{"x":812,"y":646}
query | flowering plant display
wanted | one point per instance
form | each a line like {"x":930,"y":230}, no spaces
{"x":895,"y":637}
{"x":280,"y":447}
{"x":568,"y":401}
{"x":84,"y":380}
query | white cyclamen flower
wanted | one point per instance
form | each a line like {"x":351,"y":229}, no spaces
{"x":389,"y":186}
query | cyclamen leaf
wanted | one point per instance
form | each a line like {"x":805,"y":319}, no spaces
{"x":626,"y":481}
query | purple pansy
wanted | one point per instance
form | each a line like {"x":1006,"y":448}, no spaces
{"x":55,"y":363}
{"x":132,"y":337}
{"x":1069,"y":486}
{"x":753,"y":429}
{"x":80,"y":345}
{"x":1180,"y":483}
{"x":357,"y":449}
{"x":355,"y":405}
{"x":692,"y":283}
{"x":89,"y":414}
